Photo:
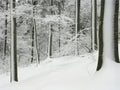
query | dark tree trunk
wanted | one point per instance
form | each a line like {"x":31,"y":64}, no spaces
{"x":50,"y":33}
{"x":14,"y":73}
{"x":100,"y":57}
{"x":32,"y":51}
{"x":109,"y":49}
{"x":78,"y":16}
{"x":116,"y":27}
{"x":95,"y":25}
{"x":77,"y":24}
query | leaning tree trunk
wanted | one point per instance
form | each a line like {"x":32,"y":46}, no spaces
{"x":13,"y":63}
{"x":108,"y":33}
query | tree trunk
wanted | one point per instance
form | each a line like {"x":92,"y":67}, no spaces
{"x":32,"y":51}
{"x":34,"y":38}
{"x":108,"y":35}
{"x":36,"y":43}
{"x":13,"y":63}
{"x":77,"y":25}
{"x":5,"y":34}
{"x":59,"y":7}
{"x":50,"y":35}
{"x":92,"y":26}
{"x":95,"y":25}
{"x":116,"y":30}
{"x":100,"y":57}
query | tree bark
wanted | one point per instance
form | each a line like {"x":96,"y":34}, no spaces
{"x":95,"y":25}
{"x":100,"y":57}
{"x":13,"y":63}
{"x":77,"y":25}
{"x":116,"y":29}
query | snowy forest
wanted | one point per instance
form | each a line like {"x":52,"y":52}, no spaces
{"x":59,"y":45}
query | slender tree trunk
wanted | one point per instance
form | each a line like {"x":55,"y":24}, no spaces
{"x":95,"y":25}
{"x":5,"y":34}
{"x":13,"y":63}
{"x":77,"y":25}
{"x":59,"y":7}
{"x":108,"y":30}
{"x":33,"y":35}
{"x":32,"y":51}
{"x":50,"y":35}
{"x":34,"y":38}
{"x":92,"y":27}
{"x":100,"y":57}
{"x":36,"y":43}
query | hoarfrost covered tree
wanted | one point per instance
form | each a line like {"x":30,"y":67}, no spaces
{"x":108,"y":33}
{"x":58,"y":13}
{"x":13,"y":63}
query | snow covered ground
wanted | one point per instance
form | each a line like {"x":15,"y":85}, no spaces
{"x":66,"y":73}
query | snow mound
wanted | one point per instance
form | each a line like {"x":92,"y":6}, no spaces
{"x":108,"y":78}
{"x":68,"y":73}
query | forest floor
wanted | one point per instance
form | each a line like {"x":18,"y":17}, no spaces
{"x":66,"y":73}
